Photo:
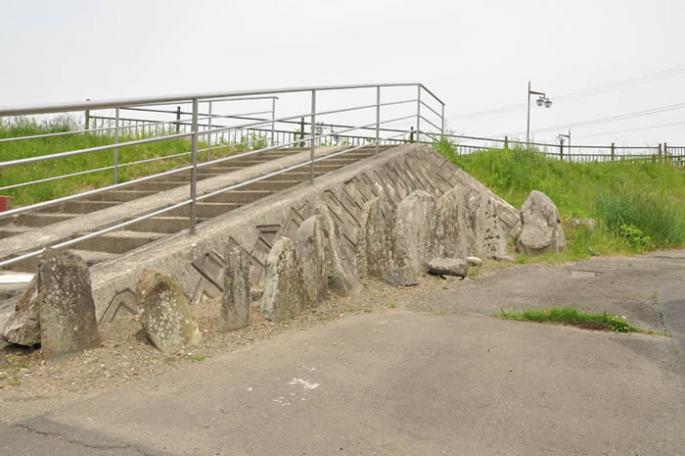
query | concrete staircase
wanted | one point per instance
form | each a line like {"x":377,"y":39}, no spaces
{"x":116,"y":243}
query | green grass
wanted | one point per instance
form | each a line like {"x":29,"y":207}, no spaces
{"x":43,"y":146}
{"x":572,"y":317}
{"x":638,"y":206}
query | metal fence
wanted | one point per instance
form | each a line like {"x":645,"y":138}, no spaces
{"x":574,"y":153}
{"x":389,"y":113}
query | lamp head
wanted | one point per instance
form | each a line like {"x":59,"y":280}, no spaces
{"x":548,"y":103}
{"x":540,"y":101}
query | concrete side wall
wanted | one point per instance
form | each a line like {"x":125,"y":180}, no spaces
{"x":196,"y":262}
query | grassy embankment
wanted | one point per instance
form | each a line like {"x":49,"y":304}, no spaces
{"x":43,"y":146}
{"x":637,"y":206}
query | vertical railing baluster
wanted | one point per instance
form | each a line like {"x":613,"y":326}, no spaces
{"x":378,"y":118}
{"x":418,"y":113}
{"x":116,"y":149}
{"x":313,"y":133}
{"x":209,"y":128}
{"x":193,"y":170}
{"x":273,"y":119}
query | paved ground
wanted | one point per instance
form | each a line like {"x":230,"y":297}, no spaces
{"x":438,"y":375}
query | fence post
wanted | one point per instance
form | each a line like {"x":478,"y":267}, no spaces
{"x":178,"y":119}
{"x":116,"y":149}
{"x":378,"y":118}
{"x":411,"y":135}
{"x":313,"y":133}
{"x":87,"y":119}
{"x":193,"y":170}
{"x":665,"y":155}
{"x":506,"y":143}
{"x":613,"y":151}
{"x":561,"y":149}
{"x":301,"y":132}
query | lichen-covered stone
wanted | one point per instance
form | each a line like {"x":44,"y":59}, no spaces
{"x":341,"y":275}
{"x":541,"y":230}
{"x":236,"y":296}
{"x":164,"y":313}
{"x":374,"y":238}
{"x":283,"y":296}
{"x":65,"y":304}
{"x":448,"y":266}
{"x":23,"y":326}
{"x":310,"y":244}
{"x":453,"y":233}
{"x":413,"y":234}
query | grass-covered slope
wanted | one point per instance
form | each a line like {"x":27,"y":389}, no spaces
{"x":638,"y":206}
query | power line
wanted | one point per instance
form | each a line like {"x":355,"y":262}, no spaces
{"x":596,"y":90}
{"x":616,"y":118}
{"x":628,"y":130}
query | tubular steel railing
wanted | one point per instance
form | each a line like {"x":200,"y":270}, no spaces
{"x":260,"y":133}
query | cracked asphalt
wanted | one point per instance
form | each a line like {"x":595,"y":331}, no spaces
{"x":436,"y":375}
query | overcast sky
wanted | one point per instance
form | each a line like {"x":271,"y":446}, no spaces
{"x":476,"y":55}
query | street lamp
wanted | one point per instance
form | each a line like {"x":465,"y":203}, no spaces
{"x":541,"y":101}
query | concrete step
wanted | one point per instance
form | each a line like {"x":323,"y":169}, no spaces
{"x":81,"y":206}
{"x":204,"y":210}
{"x":42,"y":218}
{"x":12,"y":230}
{"x":238,"y":196}
{"x":163,"y":224}
{"x":120,"y":195}
{"x":271,"y":185}
{"x":118,"y":241}
{"x":155,"y":186}
{"x":91,"y":257}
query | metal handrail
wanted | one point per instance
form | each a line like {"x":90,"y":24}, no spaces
{"x":109,"y":104}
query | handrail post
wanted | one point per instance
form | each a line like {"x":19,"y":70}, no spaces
{"x":209,"y":128}
{"x":378,"y":118}
{"x":178,"y":119}
{"x":442,"y":120}
{"x":313,"y":133}
{"x":418,"y":113}
{"x":273,"y":118}
{"x":116,"y":149}
{"x":193,"y":170}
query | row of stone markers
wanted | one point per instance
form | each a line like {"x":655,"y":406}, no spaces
{"x":394,"y":243}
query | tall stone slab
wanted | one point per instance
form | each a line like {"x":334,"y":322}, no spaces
{"x":342,"y":278}
{"x":283,"y":296}
{"x":235,"y":299}
{"x":374,"y":238}
{"x":453,"y":233}
{"x":164,"y":313}
{"x":310,"y":244}
{"x":489,"y":236}
{"x":413,"y":235}
{"x":65,"y":304}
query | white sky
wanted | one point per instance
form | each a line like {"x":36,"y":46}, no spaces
{"x":476,"y":55}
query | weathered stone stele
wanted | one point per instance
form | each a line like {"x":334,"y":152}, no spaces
{"x":453,"y":233}
{"x":341,"y":276}
{"x":235,"y":299}
{"x":23,"y":326}
{"x":283,"y":296}
{"x":541,"y":229}
{"x":310,"y":244}
{"x":489,"y":237}
{"x":65,"y":304}
{"x":164,"y":313}
{"x":413,"y":235}
{"x":374,"y":238}
{"x":448,"y":266}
